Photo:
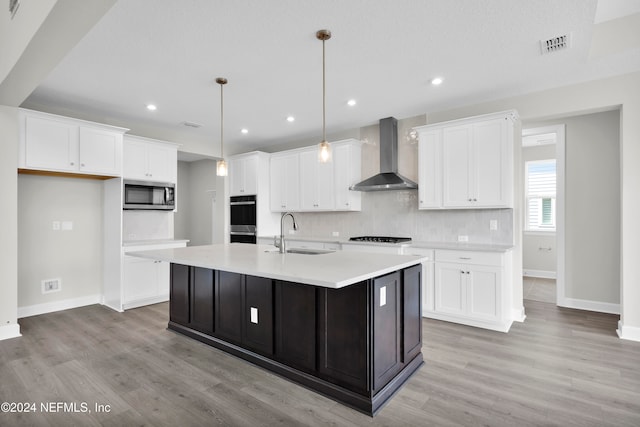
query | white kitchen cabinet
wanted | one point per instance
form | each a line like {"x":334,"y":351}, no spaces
{"x":427,"y":275}
{"x":467,"y":163}
{"x":243,"y":174}
{"x":316,"y":182}
{"x":430,"y":169}
{"x":145,"y":281}
{"x":470,"y":288}
{"x":285,"y":181}
{"x":300,"y":183}
{"x":60,"y":144}
{"x":347,"y":171}
{"x":150,"y":160}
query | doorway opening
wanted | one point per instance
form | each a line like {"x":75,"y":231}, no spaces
{"x":543,"y":151}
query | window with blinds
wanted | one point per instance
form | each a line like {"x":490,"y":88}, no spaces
{"x":540,"y":195}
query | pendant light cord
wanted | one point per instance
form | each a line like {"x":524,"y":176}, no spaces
{"x":324,"y":132}
{"x":222,"y":121}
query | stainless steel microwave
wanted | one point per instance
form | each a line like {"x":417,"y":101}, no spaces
{"x":145,"y":195}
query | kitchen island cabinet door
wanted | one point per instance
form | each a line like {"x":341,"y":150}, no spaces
{"x":343,"y":336}
{"x":257,"y":333}
{"x":295,"y":327}
{"x":201,"y":301}
{"x":386,"y":329}
{"x":179,"y":294}
{"x":228,"y":306}
{"x":412,"y":313}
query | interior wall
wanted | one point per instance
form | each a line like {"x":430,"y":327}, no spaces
{"x":74,"y":256}
{"x":197,"y":187}
{"x":592,"y":206}
{"x":181,"y":217}
{"x":8,"y":223}
{"x":539,"y":251}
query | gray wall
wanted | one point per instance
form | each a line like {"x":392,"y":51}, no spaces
{"x":74,"y":256}
{"x":539,"y":252}
{"x":592,"y":206}
{"x":197,"y":187}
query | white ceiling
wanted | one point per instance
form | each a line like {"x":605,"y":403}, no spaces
{"x":383,"y":53}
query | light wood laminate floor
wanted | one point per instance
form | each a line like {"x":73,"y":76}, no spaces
{"x":561,"y":367}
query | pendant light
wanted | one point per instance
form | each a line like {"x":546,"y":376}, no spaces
{"x":324,"y":148}
{"x":221,"y":165}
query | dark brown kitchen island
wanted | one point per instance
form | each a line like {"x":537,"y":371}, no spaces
{"x":356,"y":344}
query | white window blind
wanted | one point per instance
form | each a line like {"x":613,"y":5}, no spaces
{"x":540,"y":191}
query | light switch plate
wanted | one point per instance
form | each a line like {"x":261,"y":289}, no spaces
{"x":463,"y":238}
{"x":67,"y":225}
{"x":254,"y":315}
{"x":493,"y":224}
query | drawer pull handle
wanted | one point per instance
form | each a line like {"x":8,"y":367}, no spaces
{"x":464,"y":257}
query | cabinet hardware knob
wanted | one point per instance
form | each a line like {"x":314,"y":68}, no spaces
{"x":72,"y":163}
{"x":462,"y":271}
{"x":475,"y":200}
{"x":82,"y":164}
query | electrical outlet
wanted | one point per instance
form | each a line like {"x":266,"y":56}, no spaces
{"x":335,"y":234}
{"x":493,"y":224}
{"x":463,"y":238}
{"x":292,"y":231}
{"x":55,"y":225}
{"x":51,"y":285}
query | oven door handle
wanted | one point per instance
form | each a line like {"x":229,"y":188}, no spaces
{"x":241,"y":203}
{"x":240,"y":233}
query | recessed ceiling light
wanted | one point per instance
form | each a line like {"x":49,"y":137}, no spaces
{"x":436,"y":81}
{"x":351,"y":102}
{"x":151,"y":107}
{"x":291,"y":119}
{"x":245,"y":131}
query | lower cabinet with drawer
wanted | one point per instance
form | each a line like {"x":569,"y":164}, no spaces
{"x":471,"y":288}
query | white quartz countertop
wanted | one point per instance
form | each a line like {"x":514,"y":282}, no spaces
{"x":331,"y":270}
{"x":482,"y":247}
{"x":153,"y":242}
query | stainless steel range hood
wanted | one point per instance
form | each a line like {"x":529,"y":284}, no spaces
{"x":388,"y":179}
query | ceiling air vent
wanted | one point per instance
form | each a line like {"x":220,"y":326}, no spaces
{"x":192,"y":125}
{"x":555,"y":44}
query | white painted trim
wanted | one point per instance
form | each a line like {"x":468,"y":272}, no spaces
{"x":498,"y":326}
{"x":518,"y":315}
{"x":145,"y":301}
{"x":50,"y":307}
{"x":10,"y":331}
{"x":582,"y":304}
{"x":631,"y":333}
{"x":541,"y":274}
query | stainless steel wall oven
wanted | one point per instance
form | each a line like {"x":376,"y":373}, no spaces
{"x":243,"y":219}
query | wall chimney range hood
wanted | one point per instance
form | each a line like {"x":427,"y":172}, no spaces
{"x":388,"y":179}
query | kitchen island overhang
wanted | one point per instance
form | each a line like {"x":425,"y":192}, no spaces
{"x":344,"y":324}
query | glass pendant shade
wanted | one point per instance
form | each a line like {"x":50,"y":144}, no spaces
{"x":221,"y":168}
{"x":324,"y":152}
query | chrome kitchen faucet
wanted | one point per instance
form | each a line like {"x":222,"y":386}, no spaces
{"x":282,"y":245}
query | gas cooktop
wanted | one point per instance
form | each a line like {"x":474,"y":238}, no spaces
{"x":380,"y":239}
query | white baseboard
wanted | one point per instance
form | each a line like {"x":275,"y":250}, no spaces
{"x":9,"y":331}
{"x":50,"y":307}
{"x":518,"y":314}
{"x":582,"y":304}
{"x":541,"y":274}
{"x":631,"y":333}
{"x":145,"y":301}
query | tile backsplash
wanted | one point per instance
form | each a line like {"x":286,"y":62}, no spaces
{"x":395,"y":213}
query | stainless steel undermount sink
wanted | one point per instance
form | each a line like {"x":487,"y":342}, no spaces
{"x":304,"y":251}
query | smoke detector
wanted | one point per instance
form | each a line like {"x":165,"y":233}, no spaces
{"x":555,"y":44}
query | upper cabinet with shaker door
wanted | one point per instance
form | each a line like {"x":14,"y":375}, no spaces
{"x":316,"y":182}
{"x":150,"y":160}
{"x":347,"y":171}
{"x":59,"y":144}
{"x":299,"y":182}
{"x":243,"y":174}
{"x":285,"y":181}
{"x":467,"y":163}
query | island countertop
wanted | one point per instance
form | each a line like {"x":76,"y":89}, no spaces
{"x":331,"y":270}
